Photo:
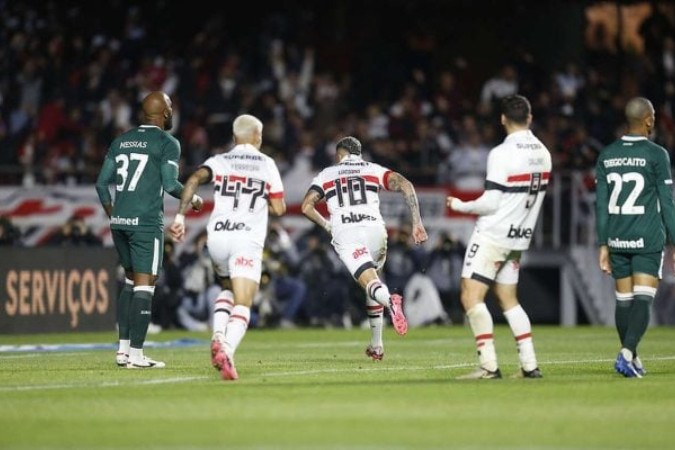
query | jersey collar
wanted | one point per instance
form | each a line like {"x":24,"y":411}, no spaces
{"x":631,"y":138}
{"x":351,"y":157}
{"x":149,"y":126}
{"x":519,"y":134}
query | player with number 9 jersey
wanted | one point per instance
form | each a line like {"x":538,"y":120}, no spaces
{"x":518,"y":173}
{"x":634,"y":196}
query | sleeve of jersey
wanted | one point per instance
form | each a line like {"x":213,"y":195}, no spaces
{"x":383,"y":175}
{"x":276,"y":186}
{"x":103,"y":181}
{"x":495,"y":186}
{"x":601,"y":199}
{"x":169,"y":170}
{"x":317,"y":186}
{"x":665,"y":192}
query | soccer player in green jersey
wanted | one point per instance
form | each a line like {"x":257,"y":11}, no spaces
{"x":634,"y":209}
{"x":142,"y":163}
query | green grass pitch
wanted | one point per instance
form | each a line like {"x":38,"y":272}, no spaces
{"x":315,"y":389}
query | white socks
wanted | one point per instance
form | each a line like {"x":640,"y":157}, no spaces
{"x":222,"y":310}
{"x":125,"y":344}
{"x":236,"y":328}
{"x":135,"y":354}
{"x":375,"y":313}
{"x":482,"y":326}
{"x":522,"y":331}
{"x":379,"y":292}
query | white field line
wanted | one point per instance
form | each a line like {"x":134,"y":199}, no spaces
{"x":4,"y":356}
{"x":332,"y":344}
{"x":6,"y":353}
{"x":438,"y":367}
{"x":101,"y":385}
{"x":290,"y":373}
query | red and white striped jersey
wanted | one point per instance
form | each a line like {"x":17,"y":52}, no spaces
{"x":518,"y":173}
{"x":244,"y":179}
{"x":351,"y":190}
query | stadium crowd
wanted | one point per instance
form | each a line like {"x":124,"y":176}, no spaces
{"x":69,"y":85}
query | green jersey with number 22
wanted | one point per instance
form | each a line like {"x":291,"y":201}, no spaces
{"x":634,"y":199}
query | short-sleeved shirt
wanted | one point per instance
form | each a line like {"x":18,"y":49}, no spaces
{"x":634,"y":201}
{"x":351,"y":191}
{"x":244,"y":179}
{"x":138,"y":156}
{"x":520,"y":168}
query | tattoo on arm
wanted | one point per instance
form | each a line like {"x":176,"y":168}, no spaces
{"x":201,"y":176}
{"x":309,"y":207}
{"x":398,"y":182}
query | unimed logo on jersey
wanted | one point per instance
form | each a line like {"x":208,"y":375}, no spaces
{"x":359,"y":252}
{"x":243,"y":262}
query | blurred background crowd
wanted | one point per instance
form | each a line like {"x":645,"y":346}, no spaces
{"x":418,"y":88}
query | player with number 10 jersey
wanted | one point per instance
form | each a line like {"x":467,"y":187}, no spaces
{"x":351,"y":191}
{"x":633,"y":191}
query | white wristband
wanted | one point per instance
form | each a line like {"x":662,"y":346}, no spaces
{"x":180,"y":219}
{"x":195,"y":198}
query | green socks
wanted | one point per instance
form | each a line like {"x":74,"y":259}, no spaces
{"x":140,"y":315}
{"x":123,"y":307}
{"x":639,"y":321}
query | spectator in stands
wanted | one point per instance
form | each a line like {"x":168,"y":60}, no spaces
{"x":444,"y":267}
{"x":403,"y":259}
{"x":168,"y":291}
{"x":198,"y":282}
{"x":467,"y":164}
{"x":75,"y":233}
{"x":327,"y":284}
{"x":10,"y":235}
{"x":281,"y":258}
{"x":500,"y":86}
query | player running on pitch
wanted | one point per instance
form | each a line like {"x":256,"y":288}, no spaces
{"x":350,"y":188}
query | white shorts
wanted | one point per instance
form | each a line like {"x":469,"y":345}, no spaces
{"x":487,"y":262}
{"x":361,"y":248}
{"x":235,"y":258}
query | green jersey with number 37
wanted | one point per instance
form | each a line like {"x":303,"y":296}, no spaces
{"x":634,"y":199}
{"x":143,"y":163}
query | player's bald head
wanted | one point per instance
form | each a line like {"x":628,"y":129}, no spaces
{"x":638,"y":109}
{"x":155,"y":103}
{"x":157,"y":109}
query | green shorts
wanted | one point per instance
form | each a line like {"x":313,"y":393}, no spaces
{"x":627,"y":264}
{"x":140,"y":251}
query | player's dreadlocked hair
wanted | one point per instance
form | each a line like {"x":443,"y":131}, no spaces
{"x":351,"y":144}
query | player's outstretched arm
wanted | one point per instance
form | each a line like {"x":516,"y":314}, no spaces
{"x":399,"y":183}
{"x":312,"y":197}
{"x":188,"y":196}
